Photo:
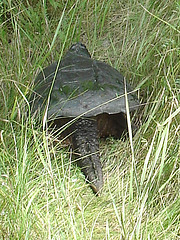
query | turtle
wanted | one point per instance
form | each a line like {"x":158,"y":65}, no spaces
{"x":87,"y":96}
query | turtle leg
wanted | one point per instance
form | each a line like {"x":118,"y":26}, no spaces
{"x":114,"y":125}
{"x":86,"y":146}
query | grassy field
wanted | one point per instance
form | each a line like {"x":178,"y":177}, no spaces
{"x":42,"y":194}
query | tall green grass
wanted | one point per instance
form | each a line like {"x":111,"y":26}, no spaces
{"x":42,"y":193}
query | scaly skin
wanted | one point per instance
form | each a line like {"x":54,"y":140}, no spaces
{"x":86,"y":146}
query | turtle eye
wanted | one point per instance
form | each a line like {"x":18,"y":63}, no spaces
{"x":73,"y":46}
{"x":82,"y":46}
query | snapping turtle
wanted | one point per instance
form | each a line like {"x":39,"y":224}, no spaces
{"x":89,"y":94}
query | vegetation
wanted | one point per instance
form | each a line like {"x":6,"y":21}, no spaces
{"x":42,"y":193}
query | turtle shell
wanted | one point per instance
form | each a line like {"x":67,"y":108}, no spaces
{"x":81,"y":86}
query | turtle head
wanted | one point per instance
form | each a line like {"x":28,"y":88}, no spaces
{"x":79,"y":49}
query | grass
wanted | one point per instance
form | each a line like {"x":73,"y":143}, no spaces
{"x":42,"y":194}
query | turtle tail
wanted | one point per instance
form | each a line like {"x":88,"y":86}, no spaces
{"x":86,"y":147}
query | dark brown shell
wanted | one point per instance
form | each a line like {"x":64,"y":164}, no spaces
{"x":81,"y":86}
